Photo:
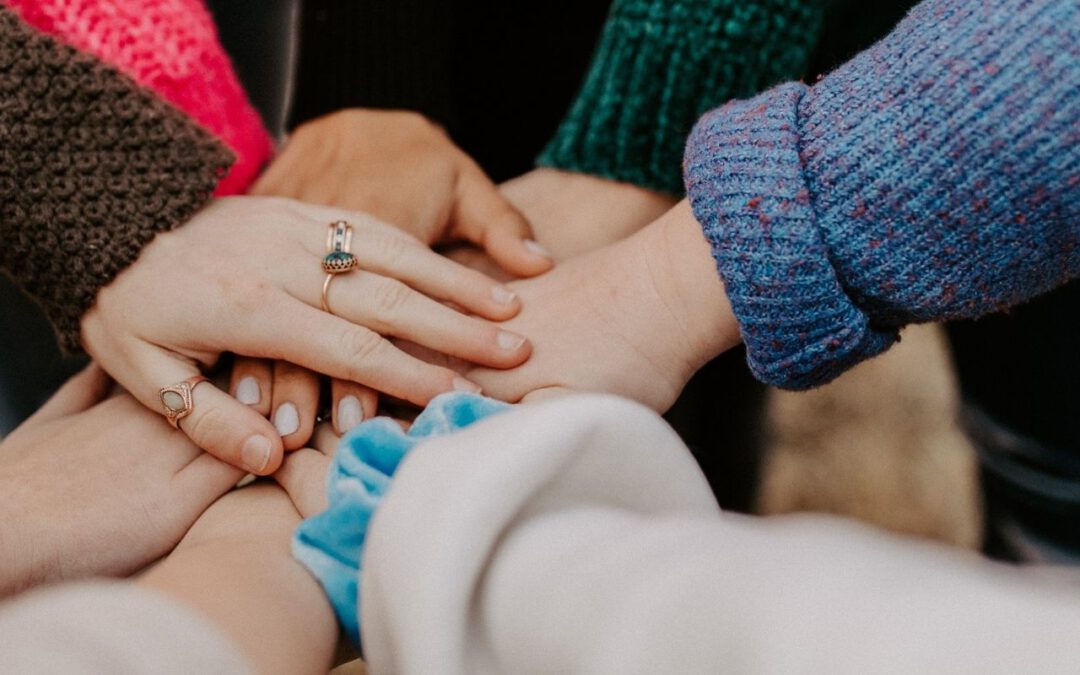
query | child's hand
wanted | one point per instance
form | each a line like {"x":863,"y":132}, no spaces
{"x":92,"y":487}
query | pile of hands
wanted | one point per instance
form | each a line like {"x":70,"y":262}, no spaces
{"x":552,"y":281}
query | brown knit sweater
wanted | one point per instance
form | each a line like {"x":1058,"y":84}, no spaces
{"x":92,"y":166}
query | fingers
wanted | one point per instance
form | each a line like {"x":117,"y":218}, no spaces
{"x":484,"y":217}
{"x":328,"y":344}
{"x":206,"y":478}
{"x":387,"y":251}
{"x":389,"y":307}
{"x":88,"y":387}
{"x":251,"y":383}
{"x":304,"y":477}
{"x":325,"y":440}
{"x":218,"y":423}
{"x":394,"y":255}
{"x":295,"y":403}
{"x":352,"y":404}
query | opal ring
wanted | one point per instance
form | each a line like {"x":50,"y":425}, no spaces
{"x":176,"y":399}
{"x":338,"y":258}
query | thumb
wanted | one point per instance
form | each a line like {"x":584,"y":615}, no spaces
{"x":214,"y":421}
{"x":485,"y":218}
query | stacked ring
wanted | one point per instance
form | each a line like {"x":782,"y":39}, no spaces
{"x":338,"y":258}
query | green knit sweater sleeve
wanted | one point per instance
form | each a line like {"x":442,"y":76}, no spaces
{"x":659,"y":65}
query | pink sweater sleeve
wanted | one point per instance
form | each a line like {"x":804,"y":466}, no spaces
{"x":170,"y":47}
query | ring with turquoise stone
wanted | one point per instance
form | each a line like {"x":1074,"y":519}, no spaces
{"x":337,"y":262}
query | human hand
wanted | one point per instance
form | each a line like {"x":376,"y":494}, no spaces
{"x":303,"y":474}
{"x":291,"y":397}
{"x":245,"y":276}
{"x":636,"y":318}
{"x":573,"y":213}
{"x":236,"y":569}
{"x":97,"y":487}
{"x":405,"y":170}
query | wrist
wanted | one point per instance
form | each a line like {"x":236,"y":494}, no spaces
{"x":686,"y":277}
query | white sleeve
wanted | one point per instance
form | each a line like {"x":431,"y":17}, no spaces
{"x":578,"y":536}
{"x":110,"y":628}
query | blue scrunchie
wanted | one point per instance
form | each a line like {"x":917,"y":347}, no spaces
{"x":331,"y":544}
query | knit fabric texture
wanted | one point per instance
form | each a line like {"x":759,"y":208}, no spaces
{"x":331,"y":544}
{"x":935,"y":176}
{"x":172,"y":48}
{"x":659,"y":65}
{"x":92,"y":166}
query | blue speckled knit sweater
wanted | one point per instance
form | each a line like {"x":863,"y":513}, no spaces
{"x":935,"y":176}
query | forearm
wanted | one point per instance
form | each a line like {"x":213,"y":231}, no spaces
{"x":252,"y":588}
{"x":933,"y":177}
{"x":660,"y":64}
{"x":93,"y":168}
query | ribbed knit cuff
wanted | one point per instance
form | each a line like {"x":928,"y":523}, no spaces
{"x":92,"y":167}
{"x":659,"y":65}
{"x":745,"y":181}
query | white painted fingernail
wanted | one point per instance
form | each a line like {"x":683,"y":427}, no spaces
{"x":247,"y":391}
{"x":461,"y":384}
{"x":286,"y":419}
{"x":536,"y":248}
{"x":509,"y":341}
{"x":255,"y":454}
{"x":349,"y":413}
{"x":503,"y":296}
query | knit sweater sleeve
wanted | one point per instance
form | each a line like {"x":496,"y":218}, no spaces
{"x":936,"y":176}
{"x":659,"y":65}
{"x":91,"y":167}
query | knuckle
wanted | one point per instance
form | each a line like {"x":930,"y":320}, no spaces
{"x":391,"y":296}
{"x":387,"y":248}
{"x":205,"y":426}
{"x":361,"y":345}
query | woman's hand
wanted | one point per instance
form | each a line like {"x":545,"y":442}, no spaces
{"x":405,"y":170}
{"x":245,"y":276}
{"x":573,"y":213}
{"x":636,"y":318}
{"x":291,"y":398}
{"x":92,"y":487}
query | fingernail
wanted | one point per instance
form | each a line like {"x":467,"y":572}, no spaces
{"x":247,"y":391}
{"x":461,"y":384}
{"x":536,"y":248}
{"x":286,"y":419}
{"x":256,"y":453}
{"x":503,"y":296}
{"x":509,"y":341}
{"x":349,"y":413}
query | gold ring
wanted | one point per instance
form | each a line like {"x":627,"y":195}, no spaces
{"x":176,"y":399}
{"x":338,"y":258}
